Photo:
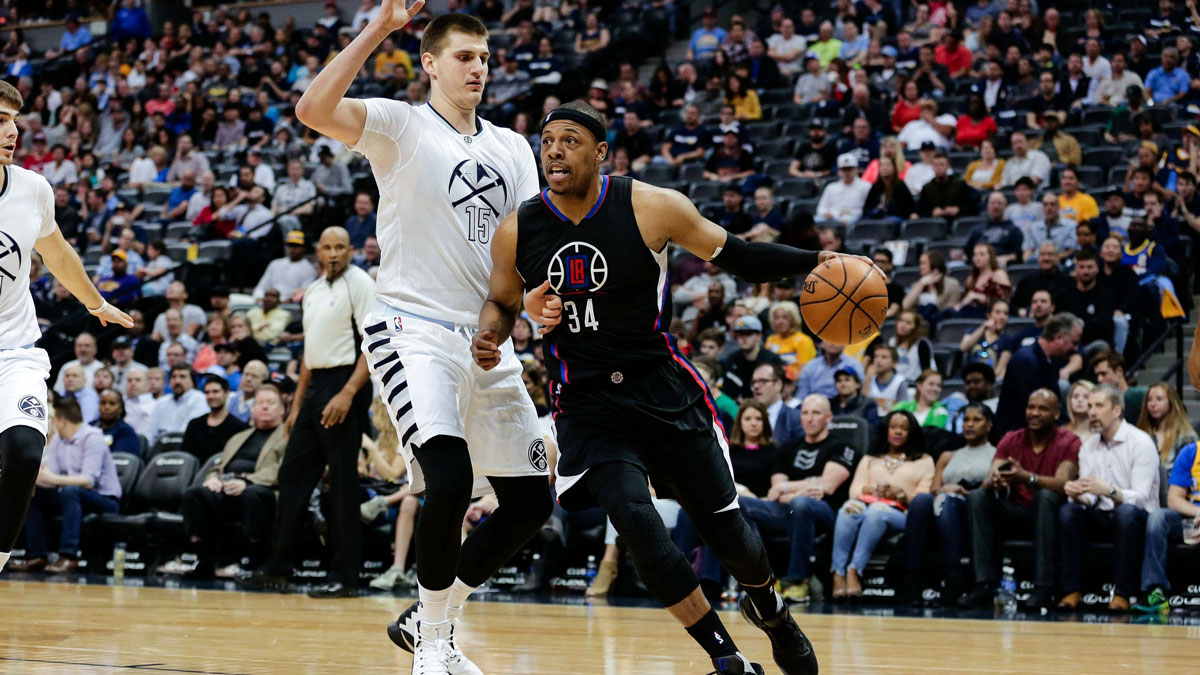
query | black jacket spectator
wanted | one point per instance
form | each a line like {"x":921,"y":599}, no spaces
{"x":950,"y":191}
{"x":202,"y":440}
{"x":1003,"y":235}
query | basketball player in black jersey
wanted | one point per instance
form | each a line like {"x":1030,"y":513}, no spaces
{"x":627,"y":405}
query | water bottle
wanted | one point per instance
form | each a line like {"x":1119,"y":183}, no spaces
{"x":591,"y":569}
{"x":730,"y":594}
{"x":119,"y":562}
{"x":984,"y":354}
{"x":1006,"y":596}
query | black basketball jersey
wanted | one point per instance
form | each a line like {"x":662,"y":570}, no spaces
{"x":615,"y":292}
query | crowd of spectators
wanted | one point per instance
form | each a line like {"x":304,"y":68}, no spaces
{"x":1026,"y":175}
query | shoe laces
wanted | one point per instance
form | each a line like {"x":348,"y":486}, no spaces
{"x":430,"y":657}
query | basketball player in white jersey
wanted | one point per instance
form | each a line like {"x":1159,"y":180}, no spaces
{"x":446,"y":179}
{"x":27,"y":205}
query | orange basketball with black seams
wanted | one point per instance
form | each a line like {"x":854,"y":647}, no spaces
{"x":844,"y":300}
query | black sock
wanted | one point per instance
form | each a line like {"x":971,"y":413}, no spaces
{"x":710,"y":633}
{"x":765,"y":599}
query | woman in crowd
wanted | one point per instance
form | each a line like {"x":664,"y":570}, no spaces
{"x":620,"y":164}
{"x":980,"y":344}
{"x":889,"y":198}
{"x":986,"y":284}
{"x":215,"y":220}
{"x":117,"y":433}
{"x":914,"y":351}
{"x":908,"y":105}
{"x":884,"y":483}
{"x":744,"y":100}
{"x":976,"y":126}
{"x":1077,"y":409}
{"x":927,"y":409}
{"x":957,"y":473}
{"x":216,"y":332}
{"x":787,"y":340}
{"x":890,"y":147}
{"x":1165,"y":419}
{"x":985,"y":172}
{"x":389,"y":495}
{"x":935,"y":291}
{"x":522,"y":337}
{"x":1093,"y":29}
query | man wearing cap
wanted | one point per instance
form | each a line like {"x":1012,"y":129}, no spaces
{"x":817,"y":158}
{"x":707,"y":39}
{"x":739,"y":367}
{"x":289,"y":275}
{"x":74,"y":37}
{"x":732,"y":216}
{"x":39,"y":155}
{"x":812,"y":86}
{"x":119,"y":287}
{"x":787,"y":48}
{"x":843,"y":199}
{"x":921,"y":172}
{"x":884,"y":77}
{"x":849,"y":399}
{"x":817,"y":376}
{"x":730,"y":162}
{"x":122,"y":361}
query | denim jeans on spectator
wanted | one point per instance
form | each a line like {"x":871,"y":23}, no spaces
{"x":1120,"y":332}
{"x":1162,"y":527}
{"x":987,"y":513}
{"x":72,"y":502}
{"x":688,"y":540}
{"x":949,"y":525}
{"x":856,"y":535}
{"x":1125,"y":527}
{"x":799,"y":519}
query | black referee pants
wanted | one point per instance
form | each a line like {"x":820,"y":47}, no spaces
{"x":311,"y":447}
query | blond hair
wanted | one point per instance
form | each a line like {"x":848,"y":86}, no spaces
{"x":1174,"y":424}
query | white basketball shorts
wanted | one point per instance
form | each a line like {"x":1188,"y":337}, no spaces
{"x":424,"y":372}
{"x":23,"y":390}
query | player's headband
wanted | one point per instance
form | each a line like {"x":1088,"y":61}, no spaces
{"x":588,"y":122}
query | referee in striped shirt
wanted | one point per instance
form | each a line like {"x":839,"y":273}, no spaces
{"x":327,"y":419}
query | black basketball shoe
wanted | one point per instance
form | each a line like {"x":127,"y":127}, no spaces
{"x":792,"y":651}
{"x":735,"y":665}
{"x":403,"y":631}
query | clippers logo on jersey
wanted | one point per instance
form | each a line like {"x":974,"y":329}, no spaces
{"x":537,"y":455}
{"x":32,"y":406}
{"x":10,"y":259}
{"x":474,"y":180}
{"x":577,"y":267}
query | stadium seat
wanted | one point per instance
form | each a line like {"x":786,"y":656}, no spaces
{"x":777,"y":168}
{"x":906,"y":276}
{"x":873,"y":230}
{"x":171,"y":441}
{"x":924,"y":228}
{"x":658,"y":174}
{"x":960,"y":274}
{"x":179,"y":230}
{"x":219,"y":249}
{"x":947,"y":360}
{"x":796,"y":188}
{"x":802,"y":206}
{"x":851,"y":430}
{"x":1017,"y":324}
{"x":946,"y":248}
{"x":1018,"y":272}
{"x":1105,"y":156}
{"x":129,"y":469}
{"x":178,"y":251}
{"x":1090,"y":176}
{"x":1096,"y":115}
{"x":776,"y":149}
{"x":160,"y":488}
{"x":708,"y":191}
{"x":887,"y":330}
{"x":207,"y":467}
{"x":92,"y":257}
{"x":691,"y":172}
{"x":951,"y":331}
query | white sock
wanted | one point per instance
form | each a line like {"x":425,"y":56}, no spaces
{"x":434,"y":605}
{"x":4,"y":559}
{"x":459,"y":592}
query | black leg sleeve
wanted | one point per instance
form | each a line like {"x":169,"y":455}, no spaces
{"x":525,"y":506}
{"x":20,"y":458}
{"x":446,"y":465}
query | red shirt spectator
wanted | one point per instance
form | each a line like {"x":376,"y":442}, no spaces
{"x":953,"y":55}
{"x":1016,"y":445}
{"x":908,"y":106}
{"x":971,"y":132}
{"x":39,"y":155}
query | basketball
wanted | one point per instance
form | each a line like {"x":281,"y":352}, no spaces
{"x":844,"y":300}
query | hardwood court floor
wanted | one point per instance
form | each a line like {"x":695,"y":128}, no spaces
{"x":82,"y":629}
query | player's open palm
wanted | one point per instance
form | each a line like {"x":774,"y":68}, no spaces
{"x":395,"y":15}
{"x":113,"y":315}
{"x":543,"y":307}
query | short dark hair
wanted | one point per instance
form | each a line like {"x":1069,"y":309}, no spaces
{"x":1113,"y":359}
{"x":1185,"y":175}
{"x":1086,"y":223}
{"x":1088,"y":253}
{"x":217,"y":380}
{"x":1067,"y":168}
{"x":710,"y":364}
{"x":433,"y":40}
{"x":68,"y":409}
{"x":184,"y":367}
{"x":11,"y":97}
{"x":714,"y":334}
{"x":777,"y":371}
{"x":887,"y":253}
{"x":1143,"y":170}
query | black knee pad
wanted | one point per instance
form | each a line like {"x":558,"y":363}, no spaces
{"x":664,"y":570}
{"x":735,"y":544}
{"x":526,"y":499}
{"x":446,"y":466}
{"x":21,"y":450}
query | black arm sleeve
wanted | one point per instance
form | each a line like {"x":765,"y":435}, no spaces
{"x":759,"y":262}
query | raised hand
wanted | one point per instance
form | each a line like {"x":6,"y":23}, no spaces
{"x":394,"y":16}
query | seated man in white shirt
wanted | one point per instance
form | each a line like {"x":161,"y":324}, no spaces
{"x":922,"y":172}
{"x":139,"y":403}
{"x":929,"y":128}
{"x":290,"y":275}
{"x":184,"y":404}
{"x":1116,"y":490}
{"x":843,"y":199}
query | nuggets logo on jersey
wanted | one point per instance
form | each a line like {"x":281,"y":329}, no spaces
{"x":474,"y":180}
{"x":537,"y":455}
{"x":10,"y":259}
{"x":577,"y":267}
{"x":32,"y":406}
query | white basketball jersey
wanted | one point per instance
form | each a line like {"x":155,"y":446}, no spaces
{"x":27,"y":205}
{"x":441,"y":195}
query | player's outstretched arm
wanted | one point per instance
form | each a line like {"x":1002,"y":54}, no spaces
{"x":503,"y":304}
{"x":670,"y":216}
{"x":64,"y":264}
{"x":323,"y":107}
